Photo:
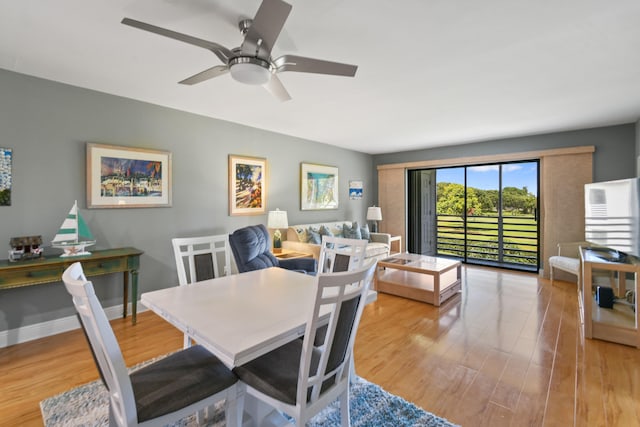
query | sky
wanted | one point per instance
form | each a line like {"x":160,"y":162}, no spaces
{"x":486,"y":177}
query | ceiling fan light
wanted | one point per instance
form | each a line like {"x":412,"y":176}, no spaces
{"x":250,"y":71}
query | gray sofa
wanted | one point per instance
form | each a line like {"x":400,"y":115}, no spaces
{"x":297,"y":239}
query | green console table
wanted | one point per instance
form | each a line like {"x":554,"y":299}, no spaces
{"x":49,"y":269}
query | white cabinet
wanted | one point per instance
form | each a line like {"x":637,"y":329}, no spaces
{"x":609,"y":269}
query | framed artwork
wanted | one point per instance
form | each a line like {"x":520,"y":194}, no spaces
{"x":355,"y":190}
{"x":319,"y":187}
{"x":247,"y":185}
{"x":5,"y":176}
{"x":126,"y":177}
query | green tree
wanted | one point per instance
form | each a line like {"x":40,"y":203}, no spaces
{"x":450,"y":200}
{"x":518,"y":200}
{"x":488,"y":200}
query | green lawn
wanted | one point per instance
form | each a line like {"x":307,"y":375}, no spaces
{"x":519,"y":234}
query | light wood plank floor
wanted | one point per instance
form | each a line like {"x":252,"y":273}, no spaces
{"x":506,"y":353}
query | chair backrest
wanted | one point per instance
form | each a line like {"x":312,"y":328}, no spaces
{"x":340,"y":254}
{"x":572,"y":249}
{"x":251,"y":248}
{"x":103,"y":344}
{"x":202,"y":258}
{"x":340,"y":299}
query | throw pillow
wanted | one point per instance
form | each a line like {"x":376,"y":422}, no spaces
{"x":352,"y":232}
{"x":302,"y":234}
{"x":366,"y":234}
{"x":324,"y":231}
{"x":313,"y":236}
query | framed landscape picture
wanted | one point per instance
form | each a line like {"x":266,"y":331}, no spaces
{"x":319,"y":187}
{"x":126,"y":177}
{"x":247,"y":185}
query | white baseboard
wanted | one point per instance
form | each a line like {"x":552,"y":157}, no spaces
{"x":53,"y":327}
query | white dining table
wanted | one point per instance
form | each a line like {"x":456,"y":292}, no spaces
{"x":243,"y":316}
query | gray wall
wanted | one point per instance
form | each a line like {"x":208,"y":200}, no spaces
{"x":614,"y":157}
{"x":637,"y":147}
{"x":47,"y":124}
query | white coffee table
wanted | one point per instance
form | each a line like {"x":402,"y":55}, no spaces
{"x":420,"y":277}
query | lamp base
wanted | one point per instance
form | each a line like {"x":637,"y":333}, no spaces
{"x":277,"y":242}
{"x":374,"y":227}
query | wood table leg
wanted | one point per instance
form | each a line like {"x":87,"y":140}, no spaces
{"x":134,"y":296}
{"x":125,"y":293}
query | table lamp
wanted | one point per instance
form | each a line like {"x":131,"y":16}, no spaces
{"x":374,"y":213}
{"x":277,"y":219}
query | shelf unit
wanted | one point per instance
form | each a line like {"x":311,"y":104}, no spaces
{"x":620,"y":323}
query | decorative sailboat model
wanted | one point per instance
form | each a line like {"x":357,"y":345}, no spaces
{"x":74,"y":235}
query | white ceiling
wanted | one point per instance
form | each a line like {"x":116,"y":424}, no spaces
{"x":431,"y":72}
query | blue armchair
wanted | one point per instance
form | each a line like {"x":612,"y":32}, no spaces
{"x":251,"y":249}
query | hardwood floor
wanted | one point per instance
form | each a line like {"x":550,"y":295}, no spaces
{"x":507,"y":352}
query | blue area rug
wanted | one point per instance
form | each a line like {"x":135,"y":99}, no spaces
{"x":87,"y":405}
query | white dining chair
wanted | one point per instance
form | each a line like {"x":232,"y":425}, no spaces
{"x":202,"y":258}
{"x":184,"y":383}
{"x":341,"y":254}
{"x":299,"y":378}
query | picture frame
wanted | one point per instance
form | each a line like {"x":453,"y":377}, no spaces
{"x":247,"y":185}
{"x":6,"y":156}
{"x":127,"y":177}
{"x":318,"y":187}
{"x":355,"y":189}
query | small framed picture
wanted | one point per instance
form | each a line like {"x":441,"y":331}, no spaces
{"x":355,"y":190}
{"x":247,"y":185}
{"x":5,"y":176}
{"x":126,"y":177}
{"x":319,"y":187}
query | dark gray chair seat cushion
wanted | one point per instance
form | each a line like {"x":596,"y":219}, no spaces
{"x":178,"y":380}
{"x":276,"y":373}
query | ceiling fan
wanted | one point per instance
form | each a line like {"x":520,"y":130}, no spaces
{"x":251,"y":63}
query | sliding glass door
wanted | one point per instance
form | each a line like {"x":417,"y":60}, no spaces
{"x":481,"y":214}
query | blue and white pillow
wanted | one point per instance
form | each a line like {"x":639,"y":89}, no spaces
{"x":324,"y":231}
{"x":313,"y":236}
{"x":364,"y":231}
{"x":352,"y":232}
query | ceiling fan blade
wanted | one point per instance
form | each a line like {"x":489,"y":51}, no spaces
{"x":302,"y":64}
{"x":275,"y":87}
{"x":220,"y":51}
{"x":265,"y":28}
{"x":212,"y":72}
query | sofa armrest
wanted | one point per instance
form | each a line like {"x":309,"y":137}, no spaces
{"x":381,"y":238}
{"x":308,"y":265}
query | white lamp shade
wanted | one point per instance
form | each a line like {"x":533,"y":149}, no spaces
{"x":277,"y":219}
{"x":374,"y":213}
